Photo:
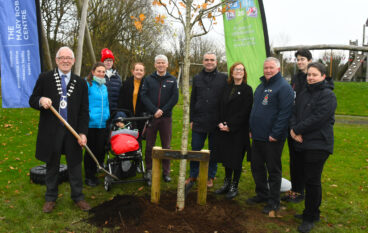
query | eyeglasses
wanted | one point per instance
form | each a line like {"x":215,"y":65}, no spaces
{"x":108,"y":60}
{"x":65,"y":58}
{"x":209,"y":59}
{"x":238,"y":69}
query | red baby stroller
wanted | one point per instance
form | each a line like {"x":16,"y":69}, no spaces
{"x":126,"y":151}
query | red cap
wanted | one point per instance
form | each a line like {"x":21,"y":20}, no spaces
{"x":106,"y":53}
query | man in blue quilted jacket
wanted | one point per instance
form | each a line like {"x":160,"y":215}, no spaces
{"x":273,"y":100}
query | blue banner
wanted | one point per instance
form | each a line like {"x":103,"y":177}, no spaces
{"x":19,"y":51}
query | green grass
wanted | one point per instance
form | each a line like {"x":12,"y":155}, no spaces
{"x":344,"y":207}
{"x":352,"y":98}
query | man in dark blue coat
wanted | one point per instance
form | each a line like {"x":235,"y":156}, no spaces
{"x":159,"y":95}
{"x":273,"y":100}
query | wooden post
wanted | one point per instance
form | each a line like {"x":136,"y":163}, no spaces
{"x":202,"y":156}
{"x":202,"y":182}
{"x":156,"y":177}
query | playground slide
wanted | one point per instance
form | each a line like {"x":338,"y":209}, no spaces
{"x":353,"y":68}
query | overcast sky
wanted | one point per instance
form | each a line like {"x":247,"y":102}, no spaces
{"x":309,"y":22}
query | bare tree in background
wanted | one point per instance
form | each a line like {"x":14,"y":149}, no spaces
{"x":199,"y":46}
{"x":58,"y":17}
{"x":111,"y":25}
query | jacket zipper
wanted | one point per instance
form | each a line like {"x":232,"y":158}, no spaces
{"x":159,"y":95}
{"x":101,"y":105}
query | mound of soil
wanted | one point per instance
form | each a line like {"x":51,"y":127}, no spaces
{"x":137,"y":214}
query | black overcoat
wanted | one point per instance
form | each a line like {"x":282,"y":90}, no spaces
{"x":207,"y":89}
{"x":235,"y":106}
{"x":48,"y":143}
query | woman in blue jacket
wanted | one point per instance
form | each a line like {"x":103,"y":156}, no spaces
{"x":98,"y":115}
{"x":311,"y":127}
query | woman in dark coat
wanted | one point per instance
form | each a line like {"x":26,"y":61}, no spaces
{"x":113,"y":80}
{"x":130,"y":93}
{"x":311,"y":127}
{"x":231,"y":139}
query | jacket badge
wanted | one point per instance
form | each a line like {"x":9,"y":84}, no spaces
{"x":265,"y":100}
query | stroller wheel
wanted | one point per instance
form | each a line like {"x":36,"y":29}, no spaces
{"x":107,"y":183}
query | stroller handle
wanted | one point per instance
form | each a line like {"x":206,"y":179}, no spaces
{"x":143,"y":118}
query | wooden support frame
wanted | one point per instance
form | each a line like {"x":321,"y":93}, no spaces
{"x":202,"y":156}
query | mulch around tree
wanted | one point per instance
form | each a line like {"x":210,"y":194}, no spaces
{"x":126,"y":213}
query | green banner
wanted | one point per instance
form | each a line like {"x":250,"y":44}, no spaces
{"x":246,"y":37}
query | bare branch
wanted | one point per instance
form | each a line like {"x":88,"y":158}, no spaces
{"x":203,"y":12}
{"x":170,"y":13}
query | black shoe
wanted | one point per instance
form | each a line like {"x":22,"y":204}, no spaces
{"x":167,"y":178}
{"x":300,"y":216}
{"x":91,"y":182}
{"x":293,"y":197}
{"x":256,"y":200}
{"x":225,"y":187}
{"x":270,"y":207}
{"x":306,"y":226}
{"x":233,"y":192}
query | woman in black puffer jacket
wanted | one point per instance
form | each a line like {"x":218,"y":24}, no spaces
{"x":311,"y":127}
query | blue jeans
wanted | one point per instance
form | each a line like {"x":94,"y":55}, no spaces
{"x":198,"y":140}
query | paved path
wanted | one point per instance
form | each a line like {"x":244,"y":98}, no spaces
{"x":348,"y":119}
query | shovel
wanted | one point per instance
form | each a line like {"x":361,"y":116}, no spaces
{"x":78,"y":137}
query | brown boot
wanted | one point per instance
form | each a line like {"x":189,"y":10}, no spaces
{"x":83,"y":205}
{"x":210,"y":183}
{"x":48,"y":206}
{"x":190,"y":180}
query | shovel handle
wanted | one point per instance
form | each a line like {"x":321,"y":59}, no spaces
{"x":79,"y":138}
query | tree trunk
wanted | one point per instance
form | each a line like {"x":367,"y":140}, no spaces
{"x":90,"y":46}
{"x":180,"y":203}
{"x":47,"y":48}
{"x":82,"y":27}
{"x":88,"y":39}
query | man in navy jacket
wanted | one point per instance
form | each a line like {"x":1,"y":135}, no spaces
{"x":273,"y":100}
{"x":159,"y":94}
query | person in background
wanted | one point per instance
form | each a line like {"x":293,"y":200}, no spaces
{"x":311,"y":127}
{"x":298,"y":83}
{"x":68,"y":94}
{"x":130,"y":94}
{"x":207,"y":89}
{"x":99,"y":113}
{"x":113,"y":80}
{"x":231,"y":139}
{"x":273,"y":100}
{"x":159,"y":95}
